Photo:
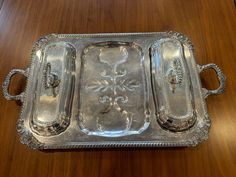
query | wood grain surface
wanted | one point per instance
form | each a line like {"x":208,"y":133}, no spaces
{"x":211,"y":25}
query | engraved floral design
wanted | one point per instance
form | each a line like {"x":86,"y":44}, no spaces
{"x":122,"y":85}
{"x":114,"y":80}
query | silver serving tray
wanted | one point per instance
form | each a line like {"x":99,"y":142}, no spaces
{"x":113,"y":90}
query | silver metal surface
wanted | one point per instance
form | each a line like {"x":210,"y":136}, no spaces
{"x":221,"y":79}
{"x":113,"y":90}
{"x":6,"y":84}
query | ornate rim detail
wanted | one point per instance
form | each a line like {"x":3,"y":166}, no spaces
{"x":122,"y":144}
{"x":26,"y":137}
{"x":52,"y":129}
{"x":182,"y":38}
{"x":42,"y":41}
{"x":202,"y":133}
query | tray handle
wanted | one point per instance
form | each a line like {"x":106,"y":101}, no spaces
{"x":7,"y":82}
{"x":221,"y":79}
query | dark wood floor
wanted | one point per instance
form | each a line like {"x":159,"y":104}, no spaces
{"x":211,"y":25}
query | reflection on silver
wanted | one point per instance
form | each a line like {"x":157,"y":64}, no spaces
{"x":173,"y":93}
{"x":54,"y":89}
{"x":113,"y":90}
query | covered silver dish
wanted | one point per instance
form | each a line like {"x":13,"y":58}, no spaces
{"x":113,"y":90}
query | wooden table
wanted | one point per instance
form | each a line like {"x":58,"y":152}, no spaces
{"x":211,"y":25}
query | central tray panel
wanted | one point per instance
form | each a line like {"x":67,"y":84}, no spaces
{"x":113,"y":90}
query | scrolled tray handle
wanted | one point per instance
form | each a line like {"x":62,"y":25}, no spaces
{"x":7,"y":82}
{"x":221,"y":79}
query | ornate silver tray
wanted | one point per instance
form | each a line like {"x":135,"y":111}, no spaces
{"x":113,"y":90}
